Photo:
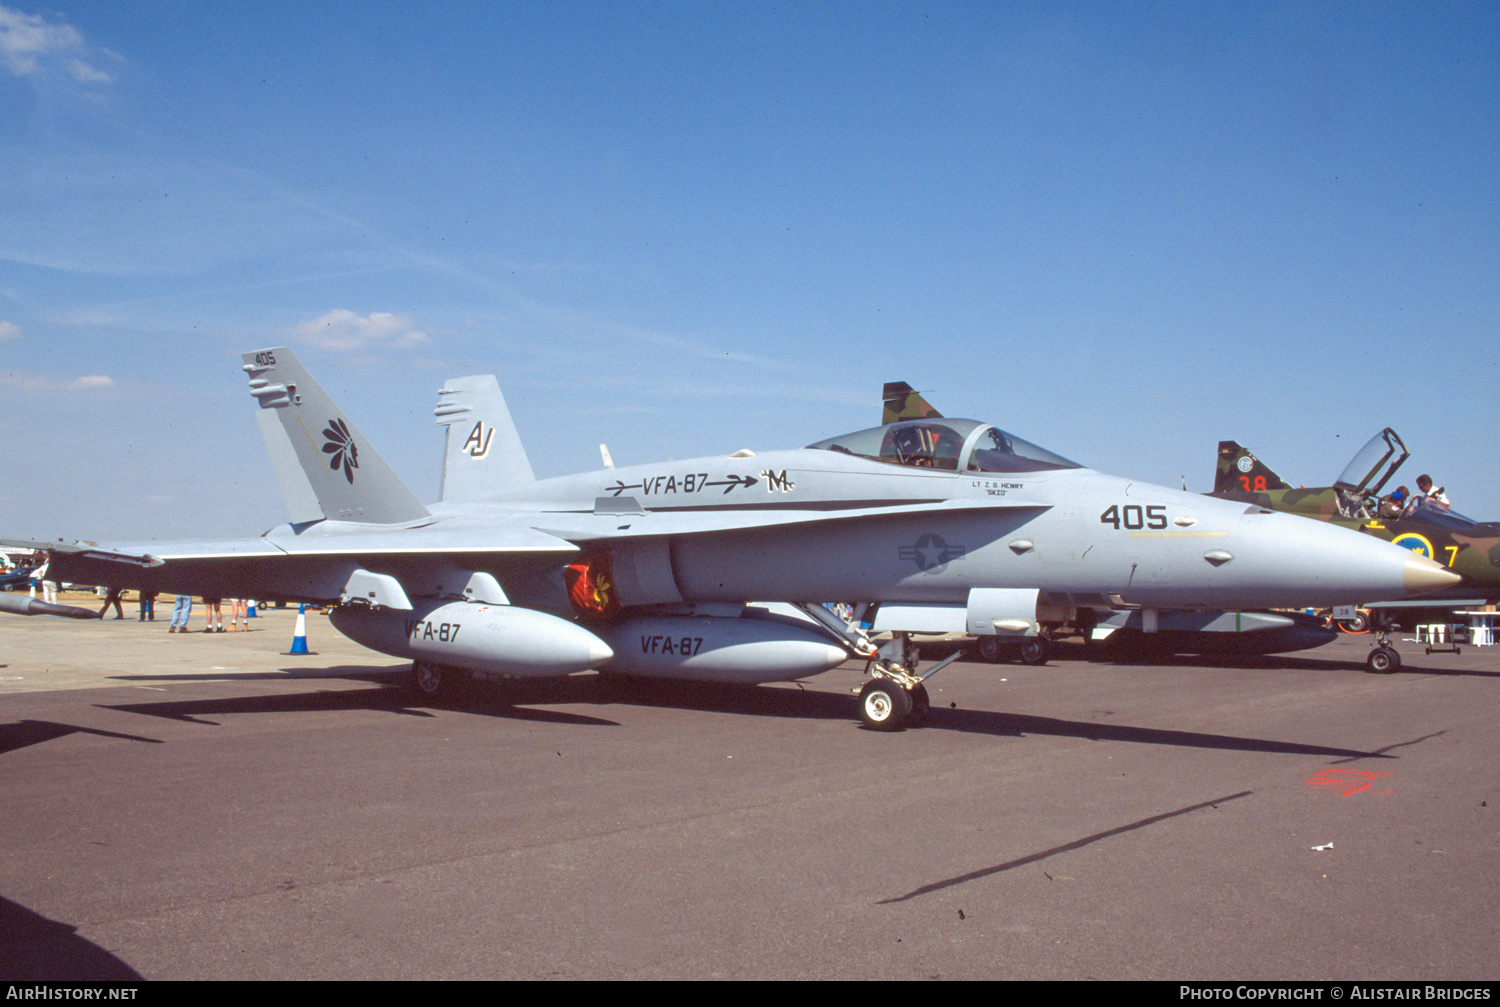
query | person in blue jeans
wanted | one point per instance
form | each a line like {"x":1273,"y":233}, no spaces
{"x":181,"y":610}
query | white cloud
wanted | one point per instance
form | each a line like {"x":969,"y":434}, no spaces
{"x":24,"y":381}
{"x":85,"y":74}
{"x":342,"y":329}
{"x":9,"y":330}
{"x":24,"y":37}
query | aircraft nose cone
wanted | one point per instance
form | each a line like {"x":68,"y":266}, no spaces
{"x":1423,"y":575}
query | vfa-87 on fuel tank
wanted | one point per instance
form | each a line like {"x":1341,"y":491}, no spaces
{"x":719,"y":568}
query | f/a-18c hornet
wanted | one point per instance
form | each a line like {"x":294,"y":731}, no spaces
{"x":1413,"y":521}
{"x":947,"y":525}
{"x":1135,"y":633}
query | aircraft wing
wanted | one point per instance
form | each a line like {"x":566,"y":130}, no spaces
{"x":314,"y":566}
{"x":317,"y":564}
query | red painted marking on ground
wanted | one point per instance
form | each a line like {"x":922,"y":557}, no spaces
{"x":1349,"y":781}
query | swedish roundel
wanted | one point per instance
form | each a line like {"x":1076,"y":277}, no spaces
{"x":1416,"y":543}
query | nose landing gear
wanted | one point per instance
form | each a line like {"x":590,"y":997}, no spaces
{"x":1383,"y":660}
{"x":895,"y":697}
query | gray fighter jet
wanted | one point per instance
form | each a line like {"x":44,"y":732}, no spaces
{"x":1133,"y":634}
{"x":930,"y":525}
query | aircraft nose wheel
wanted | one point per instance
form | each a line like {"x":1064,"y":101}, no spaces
{"x":1384,"y":660}
{"x":885,"y":706}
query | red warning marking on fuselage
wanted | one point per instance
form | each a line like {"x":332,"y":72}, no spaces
{"x":1348,"y":781}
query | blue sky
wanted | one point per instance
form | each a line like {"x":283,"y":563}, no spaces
{"x":1122,"y":231}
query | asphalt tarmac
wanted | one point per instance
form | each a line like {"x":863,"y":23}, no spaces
{"x":204,"y":807}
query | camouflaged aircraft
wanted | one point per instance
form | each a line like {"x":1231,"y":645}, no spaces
{"x":903,"y":402}
{"x":1469,"y":548}
{"x":950,"y":525}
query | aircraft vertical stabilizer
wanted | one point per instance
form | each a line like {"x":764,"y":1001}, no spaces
{"x":903,"y":402}
{"x":325,"y":467}
{"x":1240,"y":471}
{"x":484,"y":455}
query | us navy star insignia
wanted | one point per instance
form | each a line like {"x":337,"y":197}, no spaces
{"x":931,"y":553}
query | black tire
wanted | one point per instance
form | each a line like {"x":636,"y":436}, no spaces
{"x":884,"y":705}
{"x":1359,"y":624}
{"x":990,"y":649}
{"x":1383,"y":661}
{"x":1035,"y":650}
{"x":920,"y":704}
{"x":434,"y":681}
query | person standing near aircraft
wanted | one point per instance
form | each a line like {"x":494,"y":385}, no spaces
{"x":112,"y":597}
{"x":49,"y":587}
{"x":182,"y":610}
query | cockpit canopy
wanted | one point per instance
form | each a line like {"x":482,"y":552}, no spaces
{"x":1362,"y":470}
{"x":1358,"y":486}
{"x":950,"y":444}
{"x":1421,"y":508}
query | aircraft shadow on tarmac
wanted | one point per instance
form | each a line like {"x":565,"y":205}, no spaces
{"x":761,"y":701}
{"x":24,"y":733}
{"x":1070,"y":650}
{"x":383,"y":698}
{"x":353,"y":673}
{"x":1255,"y":662}
{"x":1287,"y":663}
{"x":1077,"y":844}
{"x":1449,"y":672}
{"x":36,"y":949}
{"x":1020,"y":725}
{"x":527,"y":699}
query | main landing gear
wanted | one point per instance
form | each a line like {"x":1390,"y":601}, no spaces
{"x":895,"y":697}
{"x":1033,"y":650}
{"x":436,"y":681}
